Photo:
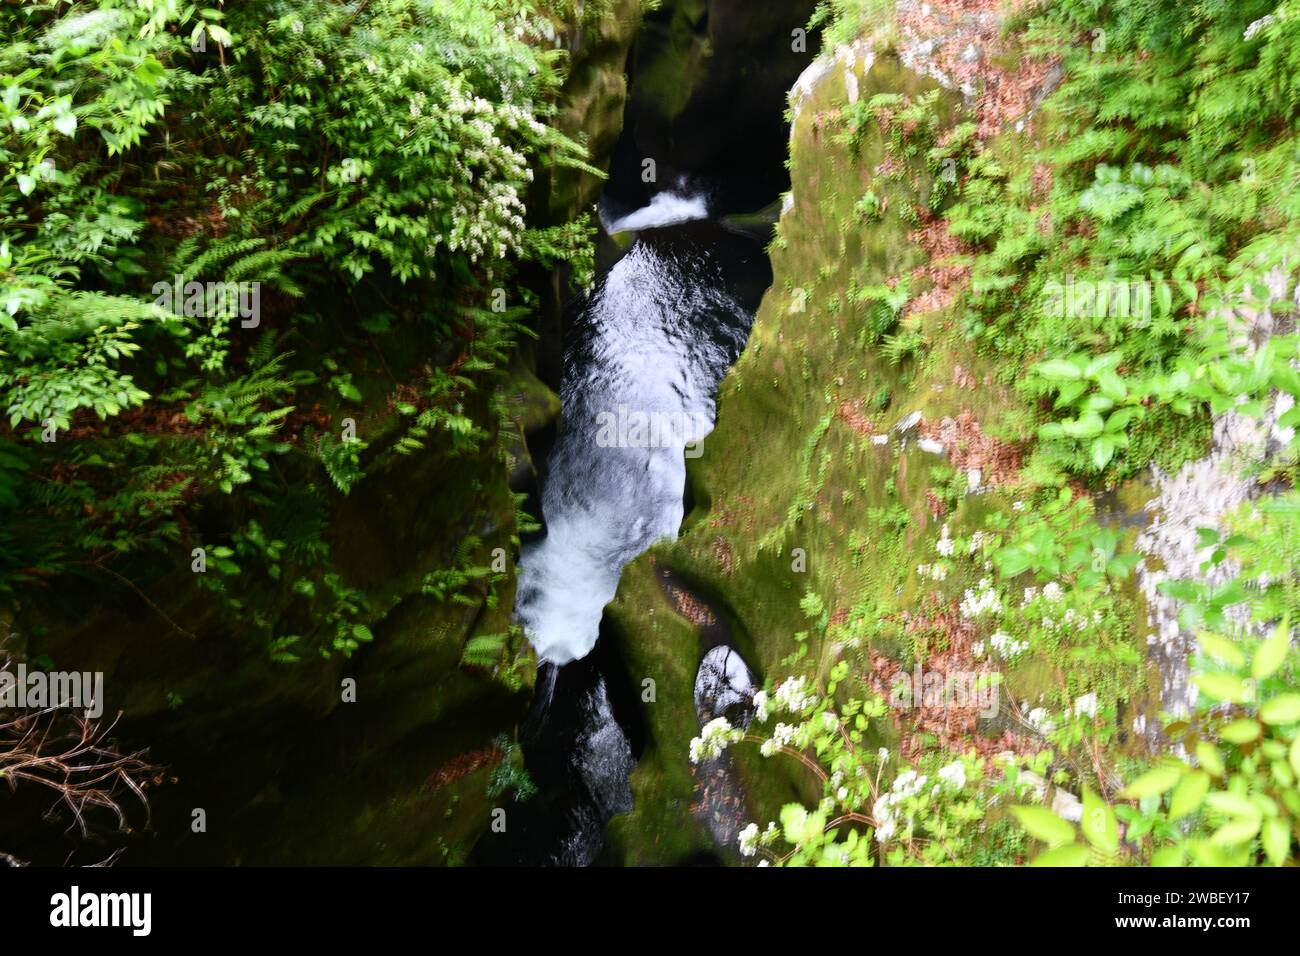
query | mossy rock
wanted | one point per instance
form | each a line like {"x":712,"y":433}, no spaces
{"x":779,"y":418}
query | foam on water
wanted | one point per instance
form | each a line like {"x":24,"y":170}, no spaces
{"x":657,"y":337}
{"x":665,"y":209}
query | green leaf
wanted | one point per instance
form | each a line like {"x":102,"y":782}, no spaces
{"x":1238,"y":831}
{"x":1208,"y":757}
{"x":1165,"y":301}
{"x":1013,"y":561}
{"x":1102,"y":364}
{"x":1070,"y":391}
{"x":1272,"y":652}
{"x":1221,"y":648}
{"x":1120,"y":418}
{"x":1098,"y":823}
{"x":1058,"y":369}
{"x":1046,"y":432}
{"x":1180,"y":590}
{"x":1189,"y":794}
{"x":1103,"y":450}
{"x":1168,"y":856}
{"x":1221,"y":686}
{"x":1073,"y":854}
{"x":1283,"y":709}
{"x":1112,"y":386}
{"x":1042,"y":824}
{"x":1276,"y":840}
{"x":1087,"y":426}
{"x":1241,"y":731}
{"x":1154,"y":782}
{"x":1232,"y":805}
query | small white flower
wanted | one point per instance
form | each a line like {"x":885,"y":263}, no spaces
{"x":954,"y":774}
{"x":983,"y":600}
{"x":714,"y":738}
{"x":791,"y":696}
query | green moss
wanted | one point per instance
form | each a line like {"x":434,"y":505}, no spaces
{"x":656,"y":643}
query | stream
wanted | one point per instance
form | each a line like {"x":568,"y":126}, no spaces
{"x":660,"y":330}
{"x":644,"y":356}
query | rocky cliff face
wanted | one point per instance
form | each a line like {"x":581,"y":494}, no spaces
{"x":708,"y":97}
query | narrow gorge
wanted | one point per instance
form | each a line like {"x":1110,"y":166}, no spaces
{"x":649,"y":433}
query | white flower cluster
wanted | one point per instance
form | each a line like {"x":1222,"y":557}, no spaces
{"x":954,"y":774}
{"x":1008,"y":647}
{"x":983,"y":600}
{"x":750,"y":839}
{"x":1086,"y":705}
{"x":945,"y":545}
{"x":1074,"y":620}
{"x":787,"y":735}
{"x":488,"y":220}
{"x":935,"y":572}
{"x":714,"y":738}
{"x":793,"y":697}
{"x":886,"y":809}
